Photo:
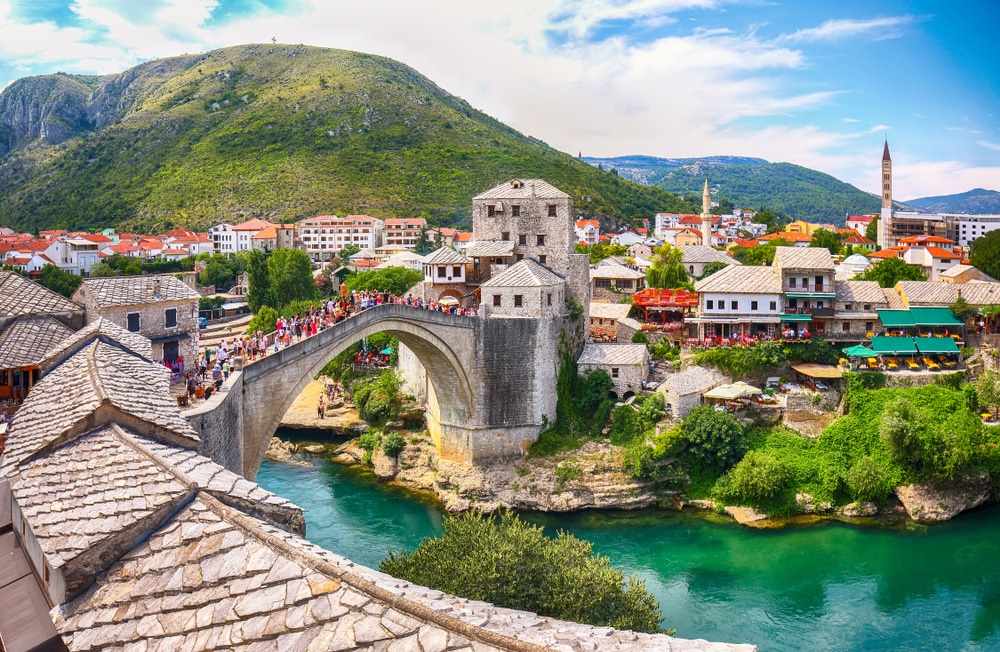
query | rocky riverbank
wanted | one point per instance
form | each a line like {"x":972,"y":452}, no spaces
{"x":339,"y":417}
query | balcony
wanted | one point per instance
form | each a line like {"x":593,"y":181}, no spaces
{"x":815,"y":312}
{"x":814,"y":291}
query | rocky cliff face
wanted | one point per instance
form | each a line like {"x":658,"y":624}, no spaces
{"x":47,"y":110}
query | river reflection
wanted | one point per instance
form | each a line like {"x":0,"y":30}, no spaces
{"x":812,"y":587}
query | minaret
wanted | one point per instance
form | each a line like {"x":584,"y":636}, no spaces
{"x":706,"y":216}
{"x":884,"y":227}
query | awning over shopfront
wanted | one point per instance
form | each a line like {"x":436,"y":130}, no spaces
{"x":795,"y":317}
{"x":170,"y":338}
{"x":936,"y":345}
{"x":896,"y":319}
{"x":894,"y":346}
{"x":811,"y":295}
{"x":825,"y":371}
{"x":931,"y":317}
{"x":733,"y":391}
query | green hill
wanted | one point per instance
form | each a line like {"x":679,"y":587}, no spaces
{"x":279,"y":132}
{"x":752,"y":183}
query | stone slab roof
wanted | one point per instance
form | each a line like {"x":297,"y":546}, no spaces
{"x":527,"y":272}
{"x":695,"y":380}
{"x":927,"y":293}
{"x":861,"y":292}
{"x":600,"y":310}
{"x":20,"y":296}
{"x":817,"y":258}
{"x":744,"y":279}
{"x":892,"y":297}
{"x":703,"y":254}
{"x":137,"y":290}
{"x":523,"y":189}
{"x":614,"y":354}
{"x":490,"y":249}
{"x":445,"y":256}
{"x":980,"y":293}
{"x":99,"y":375}
{"x":104,"y":330}
{"x":615,"y":271}
{"x":26,"y":341}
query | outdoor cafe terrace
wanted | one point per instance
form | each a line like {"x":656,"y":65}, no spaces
{"x":664,"y":309}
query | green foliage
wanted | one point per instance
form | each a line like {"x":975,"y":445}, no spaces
{"x":988,"y":389}
{"x":639,"y":337}
{"x":741,"y":361}
{"x":264,"y":321}
{"x":377,"y":398}
{"x":102,"y":270}
{"x":651,"y":409}
{"x":816,"y":350}
{"x":210,"y":303}
{"x":567,"y":471}
{"x":758,"y":476}
{"x":669,"y":443}
{"x":625,"y":425}
{"x":713,"y":267}
{"x":600,"y":250}
{"x":759,"y":255}
{"x":219,"y":271}
{"x":259,"y":290}
{"x":393,"y":444}
{"x":395,"y":280}
{"x":984,"y":254}
{"x":890,"y":271}
{"x":871,"y":231}
{"x":638,"y":461}
{"x":827,"y":239}
{"x":715,"y":437}
{"x":865,"y":482}
{"x":963,"y":310}
{"x":60,"y":281}
{"x":290,"y":274}
{"x":368,"y":442}
{"x":512,"y":564}
{"x":668,"y":269}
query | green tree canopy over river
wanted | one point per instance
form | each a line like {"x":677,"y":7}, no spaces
{"x":830,"y":586}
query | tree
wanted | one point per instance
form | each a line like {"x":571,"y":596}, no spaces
{"x":963,"y":310}
{"x":828,"y":239}
{"x":60,"y":281}
{"x":984,"y":254}
{"x":423,"y":245}
{"x":290,"y":272}
{"x":988,"y":389}
{"x":871,"y":231}
{"x":259,"y":290}
{"x":668,"y":269}
{"x":890,"y":271}
{"x":346,"y":252}
{"x":713,"y":267}
{"x":758,"y":476}
{"x":394,"y":280}
{"x":716,"y":437}
{"x":264,"y":321}
{"x":513,"y":564}
{"x":102,"y":270}
{"x":864,"y":480}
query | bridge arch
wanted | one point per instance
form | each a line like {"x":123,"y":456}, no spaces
{"x":443,"y":343}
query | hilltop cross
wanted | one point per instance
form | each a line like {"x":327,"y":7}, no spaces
{"x":274,"y":40}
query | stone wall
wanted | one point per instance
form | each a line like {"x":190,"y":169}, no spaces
{"x":219,"y":423}
{"x":544,"y":301}
{"x":534,"y":220}
{"x":152,"y":324}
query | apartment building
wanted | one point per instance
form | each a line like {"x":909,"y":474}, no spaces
{"x":325,"y":235}
{"x":404,"y":231}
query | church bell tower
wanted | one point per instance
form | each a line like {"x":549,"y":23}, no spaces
{"x":884,"y":226}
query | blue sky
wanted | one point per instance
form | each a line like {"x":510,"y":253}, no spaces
{"x":813,"y":82}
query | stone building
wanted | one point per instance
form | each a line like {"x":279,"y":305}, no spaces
{"x":610,"y":280}
{"x":857,"y":306}
{"x":695,"y":257}
{"x":160,"y":307}
{"x":738,"y":300}
{"x":526,"y":289}
{"x":604,"y":318}
{"x":446,"y":275}
{"x":807,"y":276}
{"x":627,"y":364}
{"x":683,"y":391}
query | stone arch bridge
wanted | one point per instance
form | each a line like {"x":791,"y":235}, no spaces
{"x":490,"y":384}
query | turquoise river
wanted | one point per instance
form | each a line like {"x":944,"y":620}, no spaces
{"x":828,"y":586}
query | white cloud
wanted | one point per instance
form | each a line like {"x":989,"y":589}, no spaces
{"x":988,"y":145}
{"x":839,"y":29}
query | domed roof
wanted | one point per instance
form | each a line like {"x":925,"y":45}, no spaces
{"x":855,"y":259}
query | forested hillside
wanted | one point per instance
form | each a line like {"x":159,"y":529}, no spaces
{"x":752,"y":183}
{"x":279,"y":132}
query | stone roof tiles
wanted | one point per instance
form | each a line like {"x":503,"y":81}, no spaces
{"x":102,"y":329}
{"x":927,"y":293}
{"x":694,"y":380}
{"x":26,"y":341}
{"x":744,"y":279}
{"x":980,"y":293}
{"x":523,"y":189}
{"x":20,"y":296}
{"x":445,"y":256}
{"x":136,"y":290}
{"x":803,"y":258}
{"x":861,"y":292}
{"x":615,"y":270}
{"x":703,"y":254}
{"x":490,"y":249}
{"x":527,"y":272}
{"x":599,"y":310}
{"x":613,"y":354}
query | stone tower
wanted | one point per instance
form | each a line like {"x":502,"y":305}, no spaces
{"x":706,"y":216}
{"x":885,"y":223}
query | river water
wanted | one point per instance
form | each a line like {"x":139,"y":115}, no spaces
{"x":827,"y":586}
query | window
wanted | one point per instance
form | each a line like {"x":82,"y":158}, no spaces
{"x":606,"y":283}
{"x":456,"y":271}
{"x":710,"y":304}
{"x":849,"y":307}
{"x":541,"y":259}
{"x":491,"y":211}
{"x":442,"y":272}
{"x":170,"y":317}
{"x":868,"y":307}
{"x":518,"y":257}
{"x":515,"y":211}
{"x":522,"y":240}
{"x":753,"y":305}
{"x":132,"y":319}
{"x":518,"y":300}
{"x":540,"y":240}
{"x":869,"y":326}
{"x":496,"y":300}
{"x":505,"y":236}
{"x":774,"y":305}
{"x":548,"y":300}
{"x":847,"y":327}
{"x":614,"y":372}
{"x":791,"y":282}
{"x":735,"y":305}
{"x":552,"y":210}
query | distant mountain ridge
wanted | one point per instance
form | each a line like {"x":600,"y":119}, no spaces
{"x":279,"y":132}
{"x":977,"y":201}
{"x":752,"y":183}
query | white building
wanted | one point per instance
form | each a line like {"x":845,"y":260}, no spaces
{"x":404,"y":231}
{"x":739,"y":300}
{"x":587,"y":231}
{"x":223,"y":239}
{"x":325,"y":235}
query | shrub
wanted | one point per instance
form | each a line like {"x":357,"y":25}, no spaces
{"x":378,"y":399}
{"x":669,"y":443}
{"x":758,"y":476}
{"x":566,"y":471}
{"x":864,"y":480}
{"x":263,"y":321}
{"x":625,"y":425}
{"x":393,"y":444}
{"x":369,"y":441}
{"x":513,"y":564}
{"x":638,"y":461}
{"x":639,"y":337}
{"x":651,"y":410}
{"x":716,"y":437}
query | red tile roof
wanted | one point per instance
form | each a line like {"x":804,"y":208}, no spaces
{"x":938,"y":252}
{"x":925,"y":239}
{"x":864,"y":219}
{"x":584,"y":223}
{"x":791,"y":236}
{"x":857,"y":239}
{"x":885,"y":253}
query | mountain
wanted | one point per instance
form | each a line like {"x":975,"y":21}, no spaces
{"x":750,"y":183}
{"x":273,"y":131}
{"x":975,"y":202}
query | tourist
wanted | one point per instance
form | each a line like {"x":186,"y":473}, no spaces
{"x":225,"y":370}
{"x":192,"y":384}
{"x":321,"y":408}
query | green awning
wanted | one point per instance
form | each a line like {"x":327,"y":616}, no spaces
{"x":935,"y":317}
{"x":858,"y":351}
{"x":811,"y":295}
{"x":936,"y":345}
{"x":795,"y":317}
{"x":893,"y":346}
{"x":896,"y":319}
